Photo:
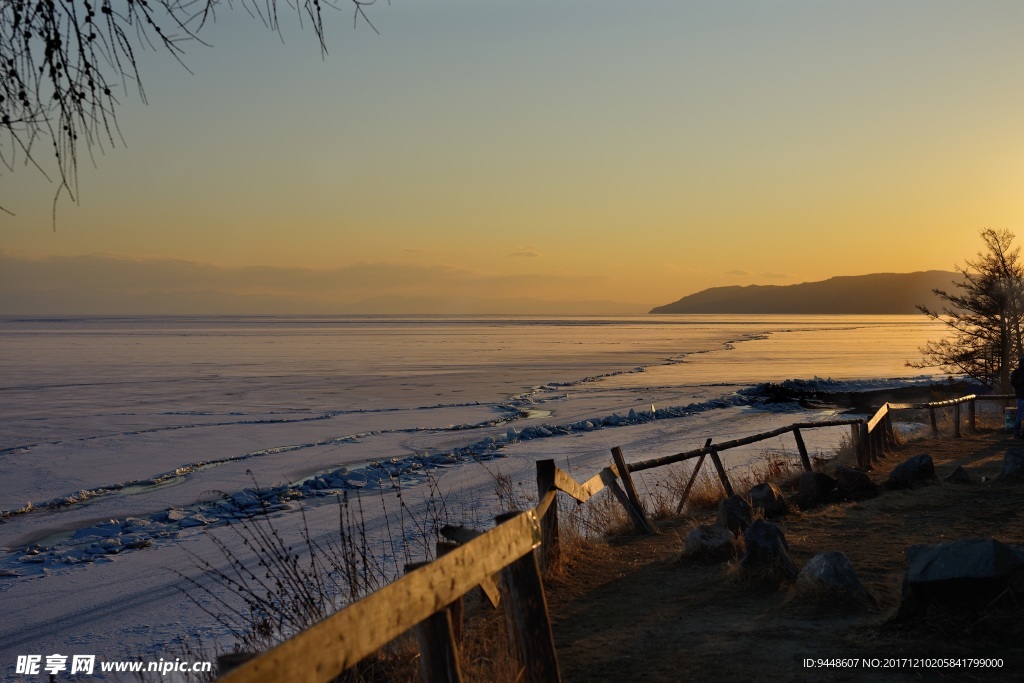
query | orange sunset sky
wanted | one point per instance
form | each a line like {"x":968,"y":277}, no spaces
{"x":604,"y":151}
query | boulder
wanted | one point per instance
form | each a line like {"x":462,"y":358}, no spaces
{"x":768,"y":498}
{"x":831,"y":575}
{"x":968,"y":573}
{"x":766,"y":553}
{"x":710,"y":543}
{"x":734,"y":514}
{"x":1013,"y":464}
{"x":958,"y":476}
{"x":915,"y":470}
{"x":855,"y":484}
{"x":815,"y":488}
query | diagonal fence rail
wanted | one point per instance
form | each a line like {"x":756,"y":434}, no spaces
{"x":514,"y":552}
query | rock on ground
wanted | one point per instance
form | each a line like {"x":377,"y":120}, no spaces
{"x":815,"y":488}
{"x":968,"y":573}
{"x":710,"y":543}
{"x":734,"y":513}
{"x":766,"y":553}
{"x":915,"y":470}
{"x":958,"y":476}
{"x":830,"y":574}
{"x":768,"y":498}
{"x":1013,"y":464}
{"x":855,"y":484}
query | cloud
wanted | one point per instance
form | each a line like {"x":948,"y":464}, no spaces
{"x":739,"y":272}
{"x":102,"y":275}
{"x":526,"y":252}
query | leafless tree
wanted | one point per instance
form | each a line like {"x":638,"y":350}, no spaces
{"x":66,"y":63}
{"x":985,"y":316}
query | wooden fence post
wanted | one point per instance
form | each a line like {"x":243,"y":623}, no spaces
{"x":627,"y":480}
{"x":804,"y":458}
{"x":721,"y":472}
{"x":693,"y":478}
{"x":455,"y":610}
{"x":550,"y":548}
{"x":935,"y":425}
{"x":855,"y":441}
{"x":526,"y":614}
{"x":972,"y":416}
{"x":956,"y":421}
{"x":890,"y":432}
{"x":635,"y":515}
{"x":439,"y":655}
{"x":864,"y":447}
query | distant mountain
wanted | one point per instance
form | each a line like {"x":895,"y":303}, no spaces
{"x":878,"y":293}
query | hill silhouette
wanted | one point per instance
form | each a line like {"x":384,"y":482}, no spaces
{"x":878,"y":293}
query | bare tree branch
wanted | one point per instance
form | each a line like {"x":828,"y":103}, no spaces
{"x":64,"y":60}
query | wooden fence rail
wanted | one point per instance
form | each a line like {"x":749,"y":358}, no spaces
{"x":516,"y":550}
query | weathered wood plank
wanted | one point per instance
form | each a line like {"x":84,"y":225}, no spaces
{"x":595,"y":483}
{"x":343,"y":639}
{"x":627,"y":484}
{"x":457,"y":608}
{"x":526,"y":614}
{"x":666,"y":460}
{"x":721,"y":471}
{"x":827,"y":423}
{"x":693,"y":478}
{"x":550,"y":548}
{"x":805,"y":459}
{"x":864,"y":446}
{"x":565,"y":483}
{"x":635,"y":516}
{"x":725,"y":445}
{"x":878,"y":417}
{"x":490,"y":589}
{"x":462,"y":535}
{"x":546,"y":503}
{"x":439,"y":652}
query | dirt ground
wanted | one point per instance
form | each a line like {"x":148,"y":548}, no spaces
{"x":631,"y":610}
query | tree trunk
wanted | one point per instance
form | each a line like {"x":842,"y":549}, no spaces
{"x":1004,"y":357}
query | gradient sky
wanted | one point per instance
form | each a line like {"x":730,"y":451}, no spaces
{"x":629,"y":152}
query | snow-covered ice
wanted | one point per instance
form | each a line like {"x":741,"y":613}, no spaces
{"x":126,"y":443}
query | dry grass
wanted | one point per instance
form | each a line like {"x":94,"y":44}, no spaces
{"x":343,"y":573}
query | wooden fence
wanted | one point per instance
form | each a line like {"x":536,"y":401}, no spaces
{"x":506,"y":562}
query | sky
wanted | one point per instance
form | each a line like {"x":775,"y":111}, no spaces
{"x":544,"y":153}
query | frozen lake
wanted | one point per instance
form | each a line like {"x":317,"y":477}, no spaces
{"x":127,"y":419}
